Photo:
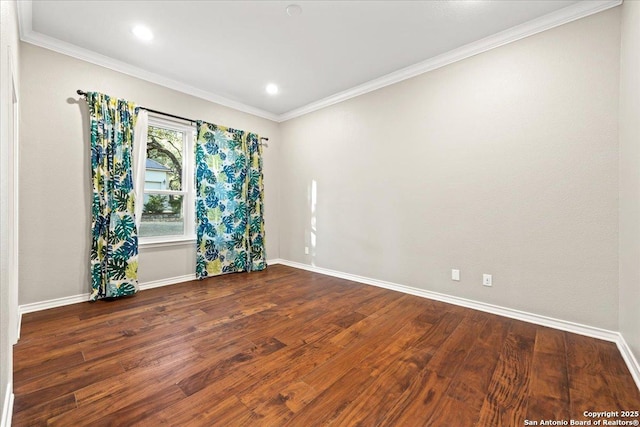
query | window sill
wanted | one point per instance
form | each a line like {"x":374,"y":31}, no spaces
{"x":154,"y":242}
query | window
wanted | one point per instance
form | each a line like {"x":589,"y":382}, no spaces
{"x":168,"y":213}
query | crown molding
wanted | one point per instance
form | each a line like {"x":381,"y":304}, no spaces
{"x":568,"y":14}
{"x":25,"y":17}
{"x":29,"y":36}
{"x":563,"y":16}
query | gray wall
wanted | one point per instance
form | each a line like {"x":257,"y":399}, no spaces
{"x":504,"y":163}
{"x":630,"y":176}
{"x":55,"y":171}
{"x":9,"y":51}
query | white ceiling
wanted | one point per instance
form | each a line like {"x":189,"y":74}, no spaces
{"x":227,"y":51}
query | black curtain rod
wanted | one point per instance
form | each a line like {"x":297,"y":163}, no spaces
{"x":83,"y":93}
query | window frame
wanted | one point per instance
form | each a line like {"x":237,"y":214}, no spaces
{"x":188,"y":184}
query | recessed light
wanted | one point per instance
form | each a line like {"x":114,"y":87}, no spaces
{"x":272,"y":89}
{"x":142,"y":32}
{"x":294,"y":10}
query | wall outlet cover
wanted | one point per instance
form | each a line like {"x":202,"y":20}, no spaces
{"x":487,"y":280}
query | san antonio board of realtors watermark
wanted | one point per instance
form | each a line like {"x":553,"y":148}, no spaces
{"x":594,"y":418}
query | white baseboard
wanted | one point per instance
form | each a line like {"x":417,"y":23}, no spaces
{"x":7,"y":407}
{"x":74,"y":299}
{"x":563,"y":325}
{"x":52,"y":303}
{"x":550,"y":322}
{"x":166,"y":282}
{"x":629,"y":358}
{"x":19,"y":326}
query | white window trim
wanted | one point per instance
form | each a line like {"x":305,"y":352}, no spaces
{"x":188,"y":182}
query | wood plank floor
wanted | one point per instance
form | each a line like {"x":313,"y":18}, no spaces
{"x":290,"y":347}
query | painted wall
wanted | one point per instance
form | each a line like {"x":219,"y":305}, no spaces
{"x":630,"y":176}
{"x":9,"y":84}
{"x":55,"y":171}
{"x":504,"y":163}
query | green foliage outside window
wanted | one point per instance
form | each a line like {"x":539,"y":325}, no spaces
{"x":155,"y":205}
{"x":165,"y":147}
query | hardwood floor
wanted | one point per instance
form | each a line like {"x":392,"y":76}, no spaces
{"x":290,"y":347}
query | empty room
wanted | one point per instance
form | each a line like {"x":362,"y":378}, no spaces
{"x":313,"y":213}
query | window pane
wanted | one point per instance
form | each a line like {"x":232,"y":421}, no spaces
{"x":162,"y":215}
{"x":164,"y":159}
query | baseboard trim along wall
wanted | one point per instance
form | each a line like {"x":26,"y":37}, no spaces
{"x":60,"y":302}
{"x":629,"y":358}
{"x":537,"y":319}
{"x":7,"y":407}
{"x":563,"y":325}
{"x":550,"y":322}
{"x":167,"y":282}
{"x":52,"y":303}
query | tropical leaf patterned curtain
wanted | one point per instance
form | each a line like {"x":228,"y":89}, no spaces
{"x":229,"y":201}
{"x":114,"y":244}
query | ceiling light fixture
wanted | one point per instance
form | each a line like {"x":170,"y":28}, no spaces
{"x":272,"y":89}
{"x":294,"y":10}
{"x":142,"y":32}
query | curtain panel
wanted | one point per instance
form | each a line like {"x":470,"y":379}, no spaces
{"x":114,"y":244}
{"x":229,"y":201}
{"x":139,"y":159}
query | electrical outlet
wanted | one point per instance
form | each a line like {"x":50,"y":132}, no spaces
{"x":487,"y":280}
{"x":455,"y":274}
{"x":306,"y":250}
